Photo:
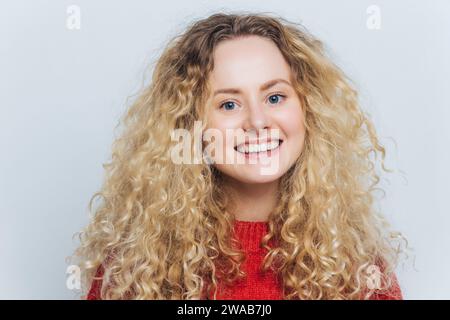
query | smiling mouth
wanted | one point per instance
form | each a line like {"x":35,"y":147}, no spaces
{"x":256,"y":148}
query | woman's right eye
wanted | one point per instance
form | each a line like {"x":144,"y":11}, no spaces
{"x":227,"y":105}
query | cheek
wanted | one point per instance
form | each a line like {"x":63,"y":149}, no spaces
{"x":216,"y":146}
{"x":293,"y":127}
{"x":291,"y":121}
{"x":224,"y":124}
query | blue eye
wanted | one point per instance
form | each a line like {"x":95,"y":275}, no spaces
{"x":275,"y":98}
{"x":228,"y":105}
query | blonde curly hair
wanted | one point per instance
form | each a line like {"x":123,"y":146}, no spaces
{"x":162,"y":230}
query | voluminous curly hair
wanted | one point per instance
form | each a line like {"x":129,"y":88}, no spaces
{"x":162,"y":230}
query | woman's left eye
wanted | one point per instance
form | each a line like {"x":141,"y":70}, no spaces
{"x":275,"y":98}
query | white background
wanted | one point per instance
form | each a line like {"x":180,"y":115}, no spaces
{"x":62,"y":92}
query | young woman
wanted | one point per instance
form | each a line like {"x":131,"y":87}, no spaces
{"x":305,"y":229}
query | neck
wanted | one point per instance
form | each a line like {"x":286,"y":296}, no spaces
{"x":251,"y":202}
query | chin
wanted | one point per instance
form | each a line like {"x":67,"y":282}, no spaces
{"x":260,"y":179}
{"x":254,"y":176}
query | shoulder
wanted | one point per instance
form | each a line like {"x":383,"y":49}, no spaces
{"x":96,"y":285}
{"x":393,"y":292}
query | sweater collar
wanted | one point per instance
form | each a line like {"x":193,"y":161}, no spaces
{"x":250,"y":233}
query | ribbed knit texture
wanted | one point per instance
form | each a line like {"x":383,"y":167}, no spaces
{"x":257,"y":285}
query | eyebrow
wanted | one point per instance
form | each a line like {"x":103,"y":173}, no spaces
{"x":263,"y":87}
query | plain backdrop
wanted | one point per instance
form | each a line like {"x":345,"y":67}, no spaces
{"x":63,"y":90}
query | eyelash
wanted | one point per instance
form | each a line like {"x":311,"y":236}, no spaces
{"x":274,"y":94}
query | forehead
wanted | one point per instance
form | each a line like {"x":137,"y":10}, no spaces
{"x":247,"y":61}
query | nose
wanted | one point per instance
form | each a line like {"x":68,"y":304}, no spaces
{"x":256,"y":118}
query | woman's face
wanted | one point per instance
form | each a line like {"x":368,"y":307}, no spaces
{"x":251,"y":88}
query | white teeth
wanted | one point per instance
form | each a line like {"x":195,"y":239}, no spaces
{"x":254,"y":148}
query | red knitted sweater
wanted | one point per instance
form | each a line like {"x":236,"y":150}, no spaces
{"x":257,"y":285}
